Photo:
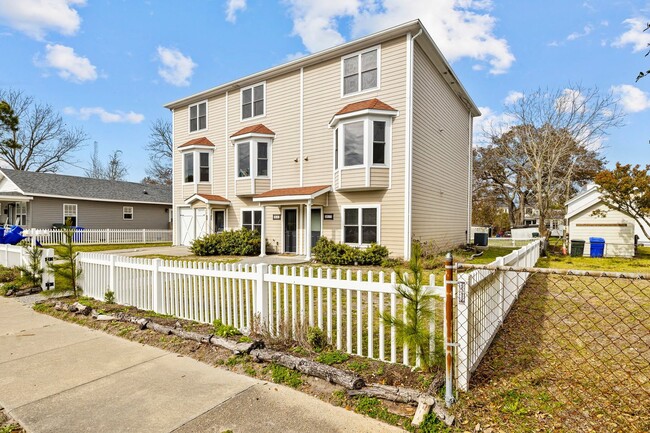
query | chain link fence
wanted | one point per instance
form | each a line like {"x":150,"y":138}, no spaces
{"x":554,"y":350}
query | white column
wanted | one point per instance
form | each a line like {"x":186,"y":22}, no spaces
{"x":263,"y":234}
{"x":308,"y":231}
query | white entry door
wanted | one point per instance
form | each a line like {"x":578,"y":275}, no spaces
{"x":186,"y":226}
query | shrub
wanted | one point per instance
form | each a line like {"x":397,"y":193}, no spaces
{"x":241,"y":242}
{"x":109,"y":297}
{"x":333,"y":253}
{"x":316,"y":338}
{"x":223,"y":330}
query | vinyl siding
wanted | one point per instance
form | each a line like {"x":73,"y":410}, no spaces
{"x":441,"y":153}
{"x":98,"y":215}
{"x":619,"y":240}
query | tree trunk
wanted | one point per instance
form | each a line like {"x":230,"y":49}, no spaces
{"x":312,"y":368}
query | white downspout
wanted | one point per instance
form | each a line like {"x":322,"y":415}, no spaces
{"x":471,"y":177}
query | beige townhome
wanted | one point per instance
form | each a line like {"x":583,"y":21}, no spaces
{"x":366,"y":142}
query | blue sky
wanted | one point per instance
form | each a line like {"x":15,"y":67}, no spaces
{"x":110,"y":65}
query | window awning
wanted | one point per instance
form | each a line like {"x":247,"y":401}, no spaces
{"x":368,"y":107}
{"x":208,"y":199}
{"x":253,"y":131}
{"x":197,"y":142}
{"x":292,"y":194}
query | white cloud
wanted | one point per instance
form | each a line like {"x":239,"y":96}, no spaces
{"x":577,"y":35}
{"x":513,"y":96}
{"x":232,"y":7}
{"x":38,"y":17}
{"x":176,"y":68}
{"x":635,"y":35}
{"x":68,"y":64}
{"x":86,"y":113}
{"x":632,"y":98}
{"x":461,"y":28}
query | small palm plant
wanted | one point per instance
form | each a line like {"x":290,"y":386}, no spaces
{"x":32,"y":273}
{"x":414,"y":331}
{"x":68,"y":269}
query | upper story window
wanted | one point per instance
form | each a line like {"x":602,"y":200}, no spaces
{"x":363,"y":142}
{"x":198,"y":116}
{"x":253,"y":101}
{"x":253,"y":157}
{"x":196,"y":159}
{"x":360,"y":71}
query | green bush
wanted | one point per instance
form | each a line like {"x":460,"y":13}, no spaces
{"x":109,"y":297}
{"x":333,"y":357}
{"x":316,"y":338}
{"x":333,"y":253}
{"x":241,"y":242}
{"x":223,"y":330}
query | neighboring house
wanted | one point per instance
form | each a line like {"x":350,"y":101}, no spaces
{"x":616,"y":228}
{"x":40,"y":200}
{"x":554,"y":221}
{"x":369,"y":141}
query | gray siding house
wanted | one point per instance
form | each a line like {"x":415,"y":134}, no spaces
{"x":40,"y":200}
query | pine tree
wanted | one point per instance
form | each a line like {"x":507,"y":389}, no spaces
{"x":68,"y":270}
{"x":32,"y":272}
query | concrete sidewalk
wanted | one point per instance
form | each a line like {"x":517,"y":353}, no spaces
{"x":60,"y":377}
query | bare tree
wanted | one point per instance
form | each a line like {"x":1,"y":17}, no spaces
{"x":115,"y":169}
{"x":43,"y":142}
{"x":646,"y":73}
{"x":96,"y":169}
{"x":559,"y":134}
{"x":160,"y":148}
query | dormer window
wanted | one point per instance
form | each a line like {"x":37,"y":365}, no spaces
{"x":360,"y":71}
{"x":253,"y":102}
{"x":199,"y":116}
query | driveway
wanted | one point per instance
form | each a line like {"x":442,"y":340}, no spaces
{"x":57,"y":376}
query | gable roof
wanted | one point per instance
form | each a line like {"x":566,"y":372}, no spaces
{"x":84,"y":188}
{"x":297,"y":193}
{"x":414,"y":27}
{"x":253,"y":129}
{"x":370,"y":104}
{"x":201,"y":141}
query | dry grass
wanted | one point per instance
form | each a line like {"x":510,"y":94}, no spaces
{"x":573,"y":355}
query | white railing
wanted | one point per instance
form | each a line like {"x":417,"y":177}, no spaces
{"x":347,"y":306}
{"x":12,"y":256}
{"x":102,"y":236}
{"x":484,"y":298}
{"x":509,"y":242}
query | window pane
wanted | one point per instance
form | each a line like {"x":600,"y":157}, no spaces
{"x":247,"y":218}
{"x":258,"y":217}
{"x":379,"y":131}
{"x":204,"y":174}
{"x":353,"y":139}
{"x":203,"y":122}
{"x":243,"y":159}
{"x":351,"y":217}
{"x":258,"y":93}
{"x":378,"y":153}
{"x":258,"y":108}
{"x":336,"y":149}
{"x":369,"y":217}
{"x":351,"y":235}
{"x":204,"y":159}
{"x":193,"y":124}
{"x":246,"y":96}
{"x":368,"y":235}
{"x":261,"y":150}
{"x":350,"y":84}
{"x":350,"y":66}
{"x":262,"y":167}
{"x":189,"y":167}
{"x":202,"y":108}
{"x":369,"y":79}
{"x":369,"y":60}
{"x":247,"y":111}
{"x":193,"y":112}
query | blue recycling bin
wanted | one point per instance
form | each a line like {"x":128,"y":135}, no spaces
{"x":597,"y":248}
{"x":78,"y":231}
{"x":13,"y":235}
{"x":2,"y":235}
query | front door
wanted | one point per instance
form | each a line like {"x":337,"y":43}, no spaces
{"x":219,"y":221}
{"x":290,"y":230}
{"x":315,"y":226}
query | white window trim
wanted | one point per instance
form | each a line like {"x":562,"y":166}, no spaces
{"x":18,"y":206}
{"x":189,"y":119}
{"x":250,"y":209}
{"x":76,"y":213}
{"x":359,"y":53}
{"x":225,"y":219}
{"x":241,"y":102}
{"x":283,"y":219}
{"x":360,"y":207}
{"x":252,"y":143}
{"x":124,"y":212}
{"x":196,"y":158}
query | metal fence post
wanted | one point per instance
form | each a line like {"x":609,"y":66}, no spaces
{"x":157,"y":294}
{"x":261,"y":301}
{"x":449,"y":328}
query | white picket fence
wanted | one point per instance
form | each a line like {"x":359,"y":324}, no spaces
{"x":102,"y":236}
{"x":347,"y":306}
{"x":12,"y":256}
{"x":483,"y":299}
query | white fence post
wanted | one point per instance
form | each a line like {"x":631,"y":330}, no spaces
{"x":111,"y":274}
{"x":48,"y":275}
{"x":144,"y":236}
{"x":261,"y":301}
{"x":157,"y":292}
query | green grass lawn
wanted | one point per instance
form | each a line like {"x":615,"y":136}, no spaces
{"x":639,"y":264}
{"x":94,"y":248}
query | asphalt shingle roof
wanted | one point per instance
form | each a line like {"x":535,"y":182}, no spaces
{"x":40,"y":184}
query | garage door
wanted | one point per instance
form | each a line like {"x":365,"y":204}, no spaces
{"x":201,"y":223}
{"x":186,"y":226}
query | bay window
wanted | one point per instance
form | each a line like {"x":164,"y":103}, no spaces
{"x":362,"y":142}
{"x":188,"y":164}
{"x":194,"y":159}
{"x":360,"y":225}
{"x":253,"y":159}
{"x":244,"y":159}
